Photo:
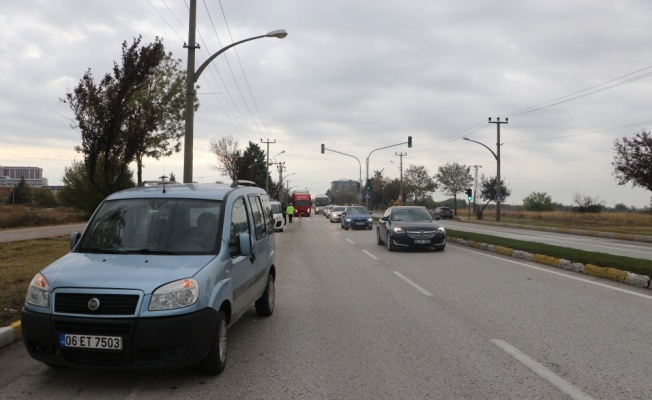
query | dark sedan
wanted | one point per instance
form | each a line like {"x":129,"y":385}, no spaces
{"x":356,"y":217}
{"x":410,"y":226}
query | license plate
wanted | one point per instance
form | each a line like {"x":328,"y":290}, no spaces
{"x":421,"y":241}
{"x":359,"y":223}
{"x":90,"y":341}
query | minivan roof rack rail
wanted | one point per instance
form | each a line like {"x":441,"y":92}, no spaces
{"x":152,"y":183}
{"x":242,"y":182}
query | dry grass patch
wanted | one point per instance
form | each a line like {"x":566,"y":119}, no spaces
{"x":19,"y":262}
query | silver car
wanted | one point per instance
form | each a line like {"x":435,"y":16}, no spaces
{"x":335,"y":214}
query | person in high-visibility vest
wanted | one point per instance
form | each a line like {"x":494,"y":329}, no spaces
{"x":290,"y":212}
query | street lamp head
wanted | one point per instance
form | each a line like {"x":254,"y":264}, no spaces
{"x":465,"y":138}
{"x":279,"y":33}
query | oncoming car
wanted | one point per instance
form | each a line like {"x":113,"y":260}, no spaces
{"x":409,"y":226}
{"x":444,"y":212}
{"x":277,"y":211}
{"x":335,"y":213}
{"x":356,"y":217}
{"x":155,"y":279}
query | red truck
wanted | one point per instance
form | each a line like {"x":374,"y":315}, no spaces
{"x":302,"y":203}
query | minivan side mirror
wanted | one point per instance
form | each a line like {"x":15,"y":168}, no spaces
{"x":244,"y":241}
{"x":385,"y":218}
{"x":74,"y":238}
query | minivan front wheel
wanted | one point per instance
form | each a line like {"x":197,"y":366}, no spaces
{"x":265,"y":305}
{"x":215,"y":363}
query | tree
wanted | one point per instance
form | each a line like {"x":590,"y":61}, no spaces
{"x":454,"y":178}
{"x":587,"y":204}
{"x":633,"y":160}
{"x":488,"y":192}
{"x":418,"y":182}
{"x":537,"y":201}
{"x":252,"y":165}
{"x":115,"y":116}
{"x":44,"y":198}
{"x":21,"y":193}
{"x":78,"y":191}
{"x":159,"y":112}
{"x":227,"y":153}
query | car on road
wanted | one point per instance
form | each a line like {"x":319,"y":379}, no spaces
{"x":444,"y":212}
{"x":356,"y":217}
{"x":277,"y":211}
{"x":335,"y":213}
{"x":155,"y":279}
{"x":410,"y":227}
{"x":327,"y":210}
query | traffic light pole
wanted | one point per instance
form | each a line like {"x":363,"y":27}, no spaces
{"x":409,"y":143}
{"x":323,"y":149}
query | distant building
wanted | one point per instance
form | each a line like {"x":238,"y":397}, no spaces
{"x":345,"y":185}
{"x":11,"y":176}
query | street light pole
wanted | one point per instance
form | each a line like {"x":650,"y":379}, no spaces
{"x":497,"y":157}
{"x":191,"y":79}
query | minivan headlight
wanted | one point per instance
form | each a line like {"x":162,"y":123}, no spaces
{"x":178,"y":294}
{"x":38,"y":292}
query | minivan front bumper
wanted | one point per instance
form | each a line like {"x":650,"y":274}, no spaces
{"x":167,"y":342}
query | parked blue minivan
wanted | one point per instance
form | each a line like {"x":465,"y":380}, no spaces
{"x":155,"y":279}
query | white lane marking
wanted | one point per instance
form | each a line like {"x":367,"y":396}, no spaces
{"x":617,"y":289}
{"x":369,"y":254}
{"x":557,"y":381}
{"x":350,"y":241}
{"x":414,"y":285}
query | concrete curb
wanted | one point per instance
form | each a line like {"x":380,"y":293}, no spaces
{"x":10,"y":334}
{"x":613,"y":274}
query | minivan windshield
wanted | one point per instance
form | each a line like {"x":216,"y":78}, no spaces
{"x":153,"y":226}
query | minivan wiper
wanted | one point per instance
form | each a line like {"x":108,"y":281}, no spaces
{"x":100,"y":250}
{"x":152,"y":251}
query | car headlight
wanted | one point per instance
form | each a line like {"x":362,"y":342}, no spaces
{"x":370,"y":219}
{"x":441,"y":230}
{"x":38,"y":292}
{"x":398,"y":229}
{"x":348,"y":220}
{"x":178,"y":294}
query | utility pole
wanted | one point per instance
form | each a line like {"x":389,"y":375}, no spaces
{"x":401,"y":169}
{"x":499,"y":198}
{"x":475,"y":185}
{"x":267,"y":165}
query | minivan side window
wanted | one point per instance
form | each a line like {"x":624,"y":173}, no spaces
{"x":260,"y":222}
{"x":239,"y":224}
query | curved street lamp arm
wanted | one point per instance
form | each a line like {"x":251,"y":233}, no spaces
{"x":482,"y":144}
{"x":344,"y":154}
{"x":279,"y":33}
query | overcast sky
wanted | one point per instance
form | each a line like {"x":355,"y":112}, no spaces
{"x":358,"y":75}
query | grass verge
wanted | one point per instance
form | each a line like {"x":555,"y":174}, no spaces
{"x":19,"y":262}
{"x":635,"y":265}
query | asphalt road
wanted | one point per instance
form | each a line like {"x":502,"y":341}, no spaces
{"x":354,"y":321}
{"x":626,"y":248}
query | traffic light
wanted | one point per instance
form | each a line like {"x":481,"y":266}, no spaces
{"x":409,"y":141}
{"x":469,"y":194}
{"x":357,"y":186}
{"x":323,"y":147}
{"x":368,"y":185}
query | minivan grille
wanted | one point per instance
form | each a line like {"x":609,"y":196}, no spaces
{"x":109,"y":304}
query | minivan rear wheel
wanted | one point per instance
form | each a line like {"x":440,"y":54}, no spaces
{"x":215,"y":363}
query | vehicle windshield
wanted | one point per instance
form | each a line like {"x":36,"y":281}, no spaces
{"x":276,"y":208}
{"x":356,"y":210}
{"x":153,"y":226}
{"x":412,"y":215}
{"x":302,"y":203}
{"x":338,"y":208}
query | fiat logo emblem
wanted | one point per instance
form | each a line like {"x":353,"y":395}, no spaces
{"x":93,"y":304}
